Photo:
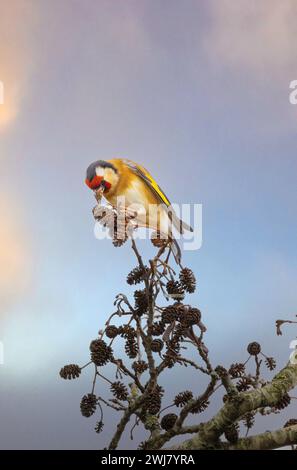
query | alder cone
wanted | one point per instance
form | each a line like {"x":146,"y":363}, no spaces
{"x":168,"y":421}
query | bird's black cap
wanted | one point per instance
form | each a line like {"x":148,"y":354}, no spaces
{"x":91,"y":170}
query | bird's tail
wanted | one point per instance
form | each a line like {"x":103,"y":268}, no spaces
{"x":176,"y":251}
{"x":179,"y":224}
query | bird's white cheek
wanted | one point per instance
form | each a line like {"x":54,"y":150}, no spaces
{"x":100,"y":171}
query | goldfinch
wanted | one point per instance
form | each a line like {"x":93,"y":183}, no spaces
{"x":138,"y":191}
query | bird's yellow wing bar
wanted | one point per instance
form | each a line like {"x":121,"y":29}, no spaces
{"x":149,"y":180}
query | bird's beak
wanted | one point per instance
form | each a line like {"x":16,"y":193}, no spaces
{"x":101,"y":188}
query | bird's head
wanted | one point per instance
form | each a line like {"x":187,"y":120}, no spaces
{"x":102,"y":175}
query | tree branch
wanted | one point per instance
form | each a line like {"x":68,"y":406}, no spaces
{"x":234,"y":409}
{"x":268,"y":440}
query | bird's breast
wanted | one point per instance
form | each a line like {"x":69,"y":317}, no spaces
{"x":138,"y":198}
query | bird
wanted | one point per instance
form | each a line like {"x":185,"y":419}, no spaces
{"x":123,"y":180}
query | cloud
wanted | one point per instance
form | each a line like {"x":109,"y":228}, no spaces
{"x":256,"y":36}
{"x":17,"y":21}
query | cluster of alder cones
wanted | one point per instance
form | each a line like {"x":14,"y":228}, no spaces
{"x":157,"y":338}
{"x":171,"y":327}
{"x":177,"y":316}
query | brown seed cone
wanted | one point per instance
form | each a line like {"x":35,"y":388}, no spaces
{"x":139,"y":366}
{"x":193,"y":316}
{"x":157,"y":241}
{"x":88,"y":405}
{"x":168,"y":421}
{"x":111,"y":331}
{"x":284,"y":402}
{"x":180,"y":332}
{"x":174,"y":344}
{"x":131,"y":348}
{"x":221,"y":371}
{"x":119,"y":240}
{"x":127,"y":331}
{"x":225,"y":398}
{"x":157,"y":345}
{"x":99,"y":427}
{"x":175,"y":290}
{"x":170,"y":314}
{"x":153,"y":402}
{"x":157,"y":328}
{"x":199,"y":407}
{"x":188,"y":316}
{"x":119,"y":390}
{"x":182,"y":398}
{"x":171,"y":356}
{"x":170,"y":359}
{"x":291,"y":422}
{"x":187,"y":280}
{"x":119,"y":231}
{"x":270,"y":363}
{"x":254,"y":348}
{"x":100,"y":352}
{"x":244,"y":384}
{"x":231,"y":433}
{"x":137,"y":275}
{"x":237,"y":370}
{"x":70,"y":371}
{"x":141,"y":302}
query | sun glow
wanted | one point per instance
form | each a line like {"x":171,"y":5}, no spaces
{"x":14,"y":257}
{"x":8,"y":112}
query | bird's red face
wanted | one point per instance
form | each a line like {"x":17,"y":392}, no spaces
{"x":96,"y":182}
